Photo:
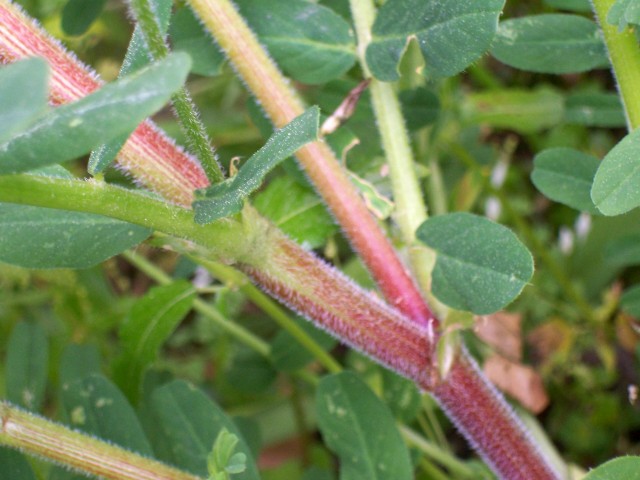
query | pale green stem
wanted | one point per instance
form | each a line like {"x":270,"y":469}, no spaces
{"x":40,"y":437}
{"x":185,"y":108}
{"x":624,"y":54}
{"x":410,"y":209}
{"x":436,"y":453}
{"x":239,"y":333}
{"x":231,"y":239}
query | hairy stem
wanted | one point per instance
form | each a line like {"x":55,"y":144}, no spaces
{"x":282,"y":105}
{"x":410,"y":209}
{"x":38,"y":436}
{"x":186,"y":110}
{"x":624,"y":54}
{"x":149,"y":155}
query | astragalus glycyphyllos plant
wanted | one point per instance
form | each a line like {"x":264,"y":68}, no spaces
{"x":54,"y":220}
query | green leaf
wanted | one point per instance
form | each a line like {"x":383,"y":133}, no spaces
{"x":481,"y":266}
{"x":525,"y":111}
{"x":95,"y":405}
{"x":420,"y":107}
{"x":622,"y":252}
{"x":615,"y":186}
{"x":630,"y":301}
{"x":360,"y":429}
{"x":35,"y":237}
{"x":19,"y":110}
{"x":624,"y":13}
{"x":71,"y":130}
{"x":78,"y":15}
{"x":137,"y":57}
{"x":78,"y":361}
{"x":617,"y":469}
{"x":227,"y":198}
{"x":297,"y":210}
{"x":565,"y":175}
{"x":191,"y":422}
{"x":571,"y":5}
{"x":250,"y":372}
{"x":451,"y":34}
{"x":188,"y":35}
{"x":310,"y":42}
{"x":26,"y":366}
{"x":402,"y":396}
{"x":288,"y":355}
{"x":150,"y":322}
{"x":15,"y":466}
{"x":595,"y":110}
{"x":550,"y":43}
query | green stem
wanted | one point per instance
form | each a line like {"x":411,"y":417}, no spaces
{"x":231,"y":239}
{"x":41,"y":437}
{"x":282,"y":104}
{"x":444,"y":458}
{"x":410,"y":209}
{"x":186,"y":110}
{"x":239,"y":333}
{"x":624,"y":55}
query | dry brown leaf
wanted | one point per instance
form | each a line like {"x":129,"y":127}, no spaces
{"x":626,"y":332}
{"x":502,"y":331}
{"x":549,"y":338}
{"x":518,"y":381}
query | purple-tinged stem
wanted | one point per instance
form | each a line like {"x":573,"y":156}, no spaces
{"x":149,"y":156}
{"x":282,"y":105}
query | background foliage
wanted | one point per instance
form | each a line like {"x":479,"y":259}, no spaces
{"x":517,"y":136}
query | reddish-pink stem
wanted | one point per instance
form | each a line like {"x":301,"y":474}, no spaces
{"x":311,"y":287}
{"x":149,"y":156}
{"x":304,"y":282}
{"x":282,"y":105}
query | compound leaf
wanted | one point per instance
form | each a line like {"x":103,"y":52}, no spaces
{"x":309,"y":41}
{"x":550,"y":43}
{"x":565,"y":175}
{"x":451,"y":34}
{"x":615,"y":186}
{"x":481,"y":266}
{"x":360,"y":429}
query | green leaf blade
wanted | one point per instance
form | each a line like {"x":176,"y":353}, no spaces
{"x":19,"y":110}
{"x":615,"y":185}
{"x":35,"y":237}
{"x":550,"y":43}
{"x":296,"y":210}
{"x":93,"y":402}
{"x":78,"y":15}
{"x":188,"y":35}
{"x":74,"y":129}
{"x":26,"y":366}
{"x":151,"y":321}
{"x":227,"y":198}
{"x":192,"y":422}
{"x":361,"y":430}
{"x":525,"y":111}
{"x":565,"y":175}
{"x":480,"y":265}
{"x":310,"y":42}
{"x":618,"y":468}
{"x":451,"y":34}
